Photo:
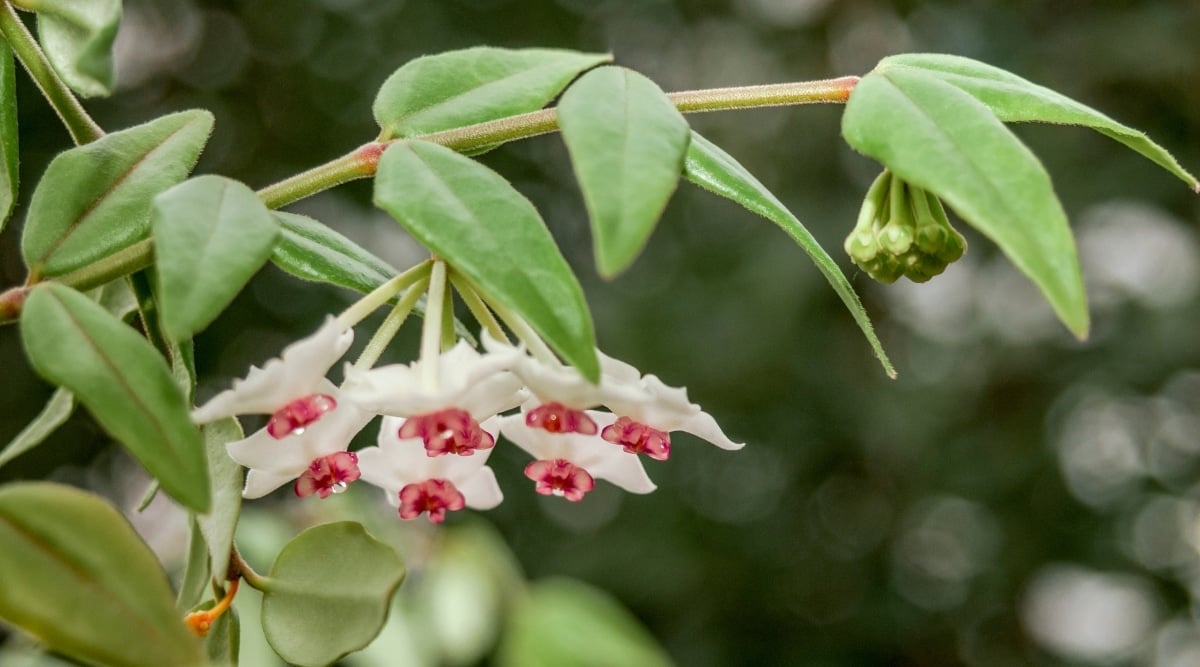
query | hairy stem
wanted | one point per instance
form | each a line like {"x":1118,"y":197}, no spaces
{"x":81,"y":126}
{"x":363,"y":161}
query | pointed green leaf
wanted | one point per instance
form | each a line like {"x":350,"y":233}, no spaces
{"x":211,"y":234}
{"x":940,"y":138}
{"x":77,"y":577}
{"x":459,"y":88}
{"x":58,"y":409}
{"x":471,"y":217}
{"x":716,"y":171}
{"x":95,"y":199}
{"x":1014,"y":99}
{"x":224,"y":640}
{"x":73,"y":342}
{"x":8,"y":134}
{"x":627,"y":143}
{"x":78,"y":40}
{"x":566,"y":623}
{"x":312,"y":251}
{"x":219,"y":523}
{"x":329,"y":593}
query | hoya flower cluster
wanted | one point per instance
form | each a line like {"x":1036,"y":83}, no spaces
{"x":443,"y":414}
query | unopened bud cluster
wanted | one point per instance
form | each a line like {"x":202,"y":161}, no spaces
{"x":902,"y":230}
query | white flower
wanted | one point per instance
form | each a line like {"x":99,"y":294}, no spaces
{"x":298,"y":373}
{"x":417,"y":483}
{"x":316,"y":454}
{"x":466,"y":379}
{"x":566,"y":463}
{"x":645,"y":426}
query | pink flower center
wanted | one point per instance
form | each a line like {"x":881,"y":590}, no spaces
{"x":449,"y":431}
{"x":328,"y":474}
{"x":295,"y":416}
{"x":558,"y":418}
{"x":637,"y":438}
{"x":560,"y":478}
{"x":435,"y":496}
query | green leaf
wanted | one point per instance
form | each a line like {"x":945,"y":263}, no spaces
{"x":627,"y":143}
{"x":73,"y":342}
{"x":58,"y":409}
{"x":95,"y":199}
{"x":224,"y":640}
{"x":220,"y":522}
{"x":210,"y":235}
{"x":77,"y":577}
{"x":197,"y":574}
{"x":9,"y":152}
{"x":716,"y":171}
{"x":566,"y":623}
{"x":1014,"y":99}
{"x":459,"y":88}
{"x":939,"y":138}
{"x":312,"y":251}
{"x":329,"y":593}
{"x":471,"y":217}
{"x":78,"y":40}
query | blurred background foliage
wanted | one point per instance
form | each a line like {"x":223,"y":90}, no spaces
{"x":1015,"y":497}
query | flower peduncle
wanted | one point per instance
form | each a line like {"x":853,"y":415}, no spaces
{"x":387,"y":331}
{"x":431,"y":332}
{"x":479,"y":309}
{"x":360,"y":309}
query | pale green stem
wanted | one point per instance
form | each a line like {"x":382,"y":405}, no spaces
{"x":391,"y":324}
{"x":359,"y":310}
{"x":239,"y":567}
{"x":478,"y":308}
{"x":81,"y":126}
{"x":526,"y":334}
{"x":363,"y":161}
{"x":121,"y":263}
{"x":449,"y":335}
{"x":431,"y":332}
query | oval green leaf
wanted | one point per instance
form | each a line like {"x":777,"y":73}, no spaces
{"x":220,"y":522}
{"x":1014,"y":99}
{"x":95,"y":199}
{"x":627,"y":143}
{"x":713,"y":169}
{"x":471,"y":217}
{"x":312,"y":251}
{"x":942,"y":139}
{"x":73,"y":342}
{"x":77,"y":577}
{"x":566,"y":623}
{"x":8,"y":134}
{"x":459,"y":88}
{"x":197,"y":576}
{"x":78,"y":40}
{"x":210,"y":235}
{"x":329,"y":593}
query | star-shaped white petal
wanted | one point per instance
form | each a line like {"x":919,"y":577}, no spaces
{"x":600,"y":459}
{"x":298,"y":371}
{"x":396,"y":463}
{"x":274,"y":462}
{"x":478,"y":383}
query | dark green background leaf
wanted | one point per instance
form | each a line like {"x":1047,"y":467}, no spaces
{"x":77,"y":577}
{"x":471,"y":217}
{"x":73,"y":342}
{"x":330,"y":590}
{"x":716,"y":171}
{"x":312,"y":251}
{"x":211,"y":234}
{"x":627,"y":143}
{"x":940,"y":138}
{"x":95,"y":200}
{"x":9,"y":153}
{"x":459,"y":88}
